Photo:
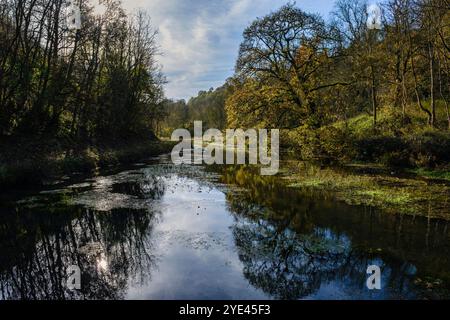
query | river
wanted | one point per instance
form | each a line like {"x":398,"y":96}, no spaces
{"x":159,"y":231}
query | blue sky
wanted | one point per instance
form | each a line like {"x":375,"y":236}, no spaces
{"x":199,"y":39}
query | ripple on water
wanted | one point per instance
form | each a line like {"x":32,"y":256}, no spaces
{"x":195,"y":240}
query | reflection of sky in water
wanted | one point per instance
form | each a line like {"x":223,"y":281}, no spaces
{"x":163,"y":233}
{"x":198,"y":259}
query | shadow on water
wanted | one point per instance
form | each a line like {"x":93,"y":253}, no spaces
{"x":184,"y":232}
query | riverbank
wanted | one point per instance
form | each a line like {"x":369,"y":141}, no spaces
{"x":413,"y":193}
{"x":33,"y":164}
{"x":400,"y":166}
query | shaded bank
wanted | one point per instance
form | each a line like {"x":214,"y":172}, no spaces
{"x":35,"y":164}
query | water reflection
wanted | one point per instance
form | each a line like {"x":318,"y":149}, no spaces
{"x":302,"y":245}
{"x":38,"y":244}
{"x":165,"y":232}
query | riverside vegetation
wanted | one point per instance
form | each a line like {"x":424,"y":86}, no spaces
{"x":74,"y":100}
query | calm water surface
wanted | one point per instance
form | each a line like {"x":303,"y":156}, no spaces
{"x":157,"y":231}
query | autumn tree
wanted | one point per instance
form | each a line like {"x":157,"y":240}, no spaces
{"x":291,"y":50}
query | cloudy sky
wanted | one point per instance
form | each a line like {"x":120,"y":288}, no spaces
{"x":199,"y":39}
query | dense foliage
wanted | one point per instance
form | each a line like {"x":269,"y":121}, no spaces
{"x":294,"y":69}
{"x":99,"y":82}
{"x":315,"y":79}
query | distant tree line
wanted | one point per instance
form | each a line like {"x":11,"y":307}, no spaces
{"x":207,"y":106}
{"x":99,"y":82}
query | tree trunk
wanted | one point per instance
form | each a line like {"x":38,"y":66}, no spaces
{"x":416,"y":89}
{"x":432,"y":89}
{"x":374,"y":97}
{"x":441,"y":93}
{"x":372,"y":40}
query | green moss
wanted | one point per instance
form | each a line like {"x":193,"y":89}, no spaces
{"x":385,"y":195}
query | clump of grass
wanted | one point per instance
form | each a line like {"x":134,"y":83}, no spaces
{"x":384,"y":197}
{"x":433,"y":174}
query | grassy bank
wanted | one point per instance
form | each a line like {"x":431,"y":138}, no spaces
{"x":34,"y":164}
{"x":397,"y":141}
{"x":373,"y":186}
{"x":402,"y":165}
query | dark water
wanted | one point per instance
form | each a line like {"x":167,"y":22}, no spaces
{"x":164,"y":232}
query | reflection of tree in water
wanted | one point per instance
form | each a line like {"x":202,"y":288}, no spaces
{"x":292,"y":244}
{"x":283,"y":264}
{"x":37,"y":245}
{"x":149,"y":187}
{"x":287,"y":265}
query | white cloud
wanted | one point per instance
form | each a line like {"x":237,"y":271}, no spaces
{"x":199,"y":39}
